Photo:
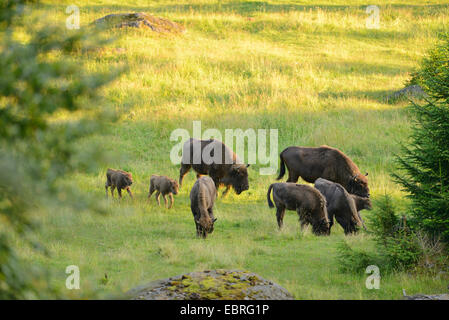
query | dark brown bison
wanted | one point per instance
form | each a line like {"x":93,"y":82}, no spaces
{"x":164,"y":185}
{"x":202,"y":198}
{"x":212,"y":157}
{"x":308,"y":202}
{"x":118,"y":179}
{"x":323,"y":162}
{"x":340,"y":205}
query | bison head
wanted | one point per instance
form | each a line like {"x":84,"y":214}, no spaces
{"x":205,"y":225}
{"x":128,"y":179}
{"x":238,"y":177}
{"x":359,"y":185}
{"x":174,"y":187}
{"x":366,"y":202}
{"x":321,"y":228}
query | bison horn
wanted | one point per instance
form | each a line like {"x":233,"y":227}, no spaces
{"x":366,"y":174}
{"x":247,"y":165}
{"x":215,"y":219}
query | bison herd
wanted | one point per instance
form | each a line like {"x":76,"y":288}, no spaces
{"x":340,"y":191}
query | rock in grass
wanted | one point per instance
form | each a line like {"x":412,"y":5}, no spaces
{"x":217,"y":284}
{"x":140,"y":20}
{"x":413,"y":91}
{"x":427,"y":297}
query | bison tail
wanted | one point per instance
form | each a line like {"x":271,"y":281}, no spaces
{"x":282,"y":170}
{"x":270,"y":203}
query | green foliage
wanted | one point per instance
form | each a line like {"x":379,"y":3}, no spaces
{"x":352,"y":260}
{"x":39,"y":77}
{"x":424,"y":163}
{"x":398,"y":247}
{"x":384,"y":221}
{"x":396,"y":242}
{"x":433,"y":74}
{"x":402,"y":250}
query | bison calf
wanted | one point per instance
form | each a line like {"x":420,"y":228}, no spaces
{"x":118,"y":179}
{"x":305,"y":200}
{"x":202,"y":198}
{"x":164,"y":185}
{"x":339,"y":204}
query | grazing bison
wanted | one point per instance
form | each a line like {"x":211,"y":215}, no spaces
{"x":308,"y":202}
{"x":164,"y":185}
{"x":202,"y":198}
{"x":323,"y":162}
{"x":118,"y":179}
{"x":339,"y":204}
{"x":212,"y":157}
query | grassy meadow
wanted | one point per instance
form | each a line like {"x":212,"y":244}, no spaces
{"x":310,"y":69}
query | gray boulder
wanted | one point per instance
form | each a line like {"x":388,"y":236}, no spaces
{"x":217,"y":284}
{"x":411,"y":92}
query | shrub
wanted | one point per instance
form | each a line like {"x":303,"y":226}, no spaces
{"x":398,"y":246}
{"x":354,"y":261}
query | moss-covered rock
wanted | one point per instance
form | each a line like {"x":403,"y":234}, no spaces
{"x":140,"y":20}
{"x":212,"y":285}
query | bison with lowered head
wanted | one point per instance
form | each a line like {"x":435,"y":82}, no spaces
{"x":202,"y":198}
{"x":164,"y":185}
{"x":212,"y":157}
{"x":118,"y":179}
{"x":340,"y":204}
{"x":308,"y":202}
{"x":323,"y":162}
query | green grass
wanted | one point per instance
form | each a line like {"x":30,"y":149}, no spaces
{"x":309,"y":69}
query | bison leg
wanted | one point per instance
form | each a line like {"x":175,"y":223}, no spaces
{"x":303,"y":224}
{"x":165,"y":200}
{"x":112,"y":190}
{"x":183,"y":171}
{"x":330,"y":216}
{"x":158,"y":193}
{"x":129,"y":192}
{"x":346,"y":225}
{"x":171,"y":200}
{"x":292,"y":177}
{"x":363,"y":222}
{"x":226,"y":191}
{"x":150,"y":192}
{"x":119,"y":190}
{"x":200,"y":232}
{"x":216,"y":182}
{"x":280,"y":212}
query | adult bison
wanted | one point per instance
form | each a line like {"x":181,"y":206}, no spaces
{"x":308,"y":202}
{"x":202,"y":198}
{"x":323,"y":162}
{"x":339,"y":204}
{"x":212,"y":157}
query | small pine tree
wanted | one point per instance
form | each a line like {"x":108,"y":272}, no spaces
{"x":384,"y":222}
{"x":424,"y":163}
